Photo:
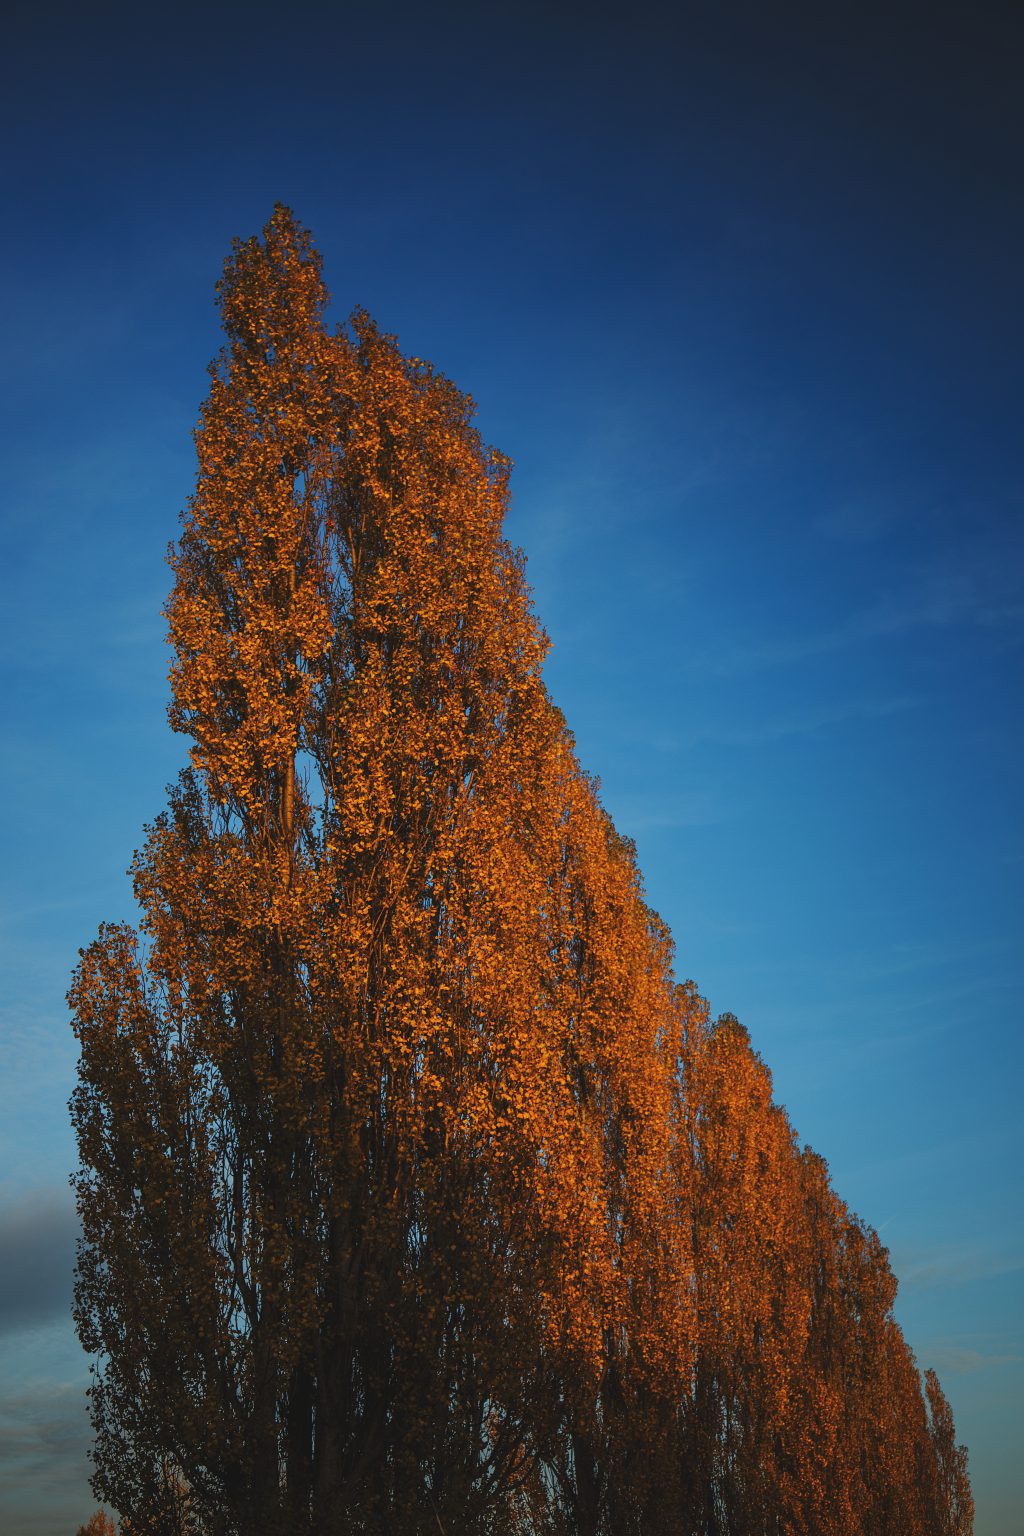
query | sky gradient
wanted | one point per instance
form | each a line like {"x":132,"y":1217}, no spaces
{"x":740,"y":295}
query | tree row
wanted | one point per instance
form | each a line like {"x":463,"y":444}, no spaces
{"x":417,"y":1196}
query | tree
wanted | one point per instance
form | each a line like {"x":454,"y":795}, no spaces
{"x":953,"y":1498}
{"x":735,"y":1158}
{"x":345,"y":1102}
{"x":414,"y":1193}
{"x":98,"y":1524}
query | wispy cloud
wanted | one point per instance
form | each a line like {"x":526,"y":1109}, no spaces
{"x":935,"y":1270}
{"x":743,"y":731}
{"x":979,"y":593}
{"x":44,"y":1443}
{"x":37,"y":1239}
{"x":955,"y":1360}
{"x":42,"y":1421}
{"x":860,"y":520}
{"x":807,"y":723}
{"x":637,"y":815}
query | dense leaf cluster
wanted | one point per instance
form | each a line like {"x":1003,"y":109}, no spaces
{"x":417,"y":1196}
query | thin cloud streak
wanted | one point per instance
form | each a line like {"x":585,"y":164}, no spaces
{"x":958,"y":1361}
{"x":925,"y":1272}
{"x":37,"y":1239}
{"x":809,"y":724}
{"x":44,"y":1444}
{"x":971,"y":598}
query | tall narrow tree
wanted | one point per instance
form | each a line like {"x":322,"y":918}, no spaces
{"x":953,"y":1498}
{"x":345,"y":1103}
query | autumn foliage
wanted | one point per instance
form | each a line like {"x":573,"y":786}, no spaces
{"x":99,"y":1524}
{"x":417,"y":1195}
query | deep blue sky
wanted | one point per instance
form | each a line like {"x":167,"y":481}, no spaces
{"x":738,"y":288}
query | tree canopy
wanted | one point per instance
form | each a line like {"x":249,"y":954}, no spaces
{"x":416,"y":1193}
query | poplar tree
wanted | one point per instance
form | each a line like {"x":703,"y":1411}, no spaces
{"x":355,"y":1101}
{"x":954,"y":1502}
{"x":416,"y":1196}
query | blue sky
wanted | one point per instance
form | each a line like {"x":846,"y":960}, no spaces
{"x":740,"y":295}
